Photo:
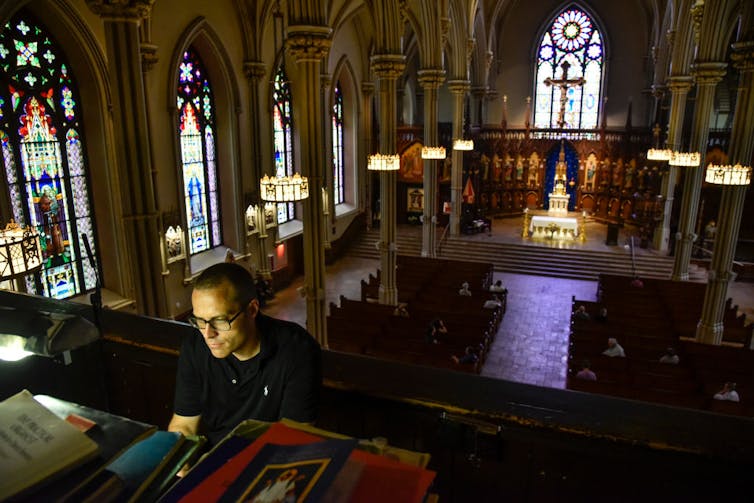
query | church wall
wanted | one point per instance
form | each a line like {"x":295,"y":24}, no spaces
{"x":515,"y":58}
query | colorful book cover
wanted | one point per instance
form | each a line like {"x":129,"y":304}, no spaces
{"x":300,"y":473}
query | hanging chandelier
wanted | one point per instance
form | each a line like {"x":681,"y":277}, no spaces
{"x":433,"y":152}
{"x":384,"y":162}
{"x":283,"y":189}
{"x":20,"y":251}
{"x":728,"y":175}
{"x":685,"y":159}
{"x":461,"y":144}
{"x":659,"y":154}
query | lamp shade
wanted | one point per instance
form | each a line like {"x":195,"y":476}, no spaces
{"x":384,"y":162}
{"x":282,"y":189}
{"x":659,"y":154}
{"x":433,"y":152}
{"x":461,"y":144}
{"x":728,"y":175}
{"x":20,"y":251}
{"x":685,"y":159}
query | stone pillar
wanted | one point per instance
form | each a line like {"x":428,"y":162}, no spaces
{"x":308,"y":45}
{"x":430,"y":80}
{"x":364,"y":150}
{"x":478,"y":94}
{"x":255,"y":72}
{"x":328,"y":203}
{"x":388,"y":68}
{"x":706,"y":75}
{"x":458,"y":88}
{"x":710,"y":327}
{"x":679,"y":89}
{"x":140,"y":218}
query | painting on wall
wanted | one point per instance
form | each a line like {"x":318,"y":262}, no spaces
{"x":415,"y":200}
{"x":412,"y":164}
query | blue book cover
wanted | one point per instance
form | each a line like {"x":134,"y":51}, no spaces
{"x":136,"y":465}
{"x":300,"y":473}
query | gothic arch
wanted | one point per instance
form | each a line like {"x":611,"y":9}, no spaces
{"x":344,"y":74}
{"x":88,"y":65}
{"x":200,"y":35}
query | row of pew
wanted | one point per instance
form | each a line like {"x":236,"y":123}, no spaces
{"x":646,"y":323}
{"x":430,"y":289}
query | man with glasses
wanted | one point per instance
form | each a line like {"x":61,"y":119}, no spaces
{"x":241,"y":364}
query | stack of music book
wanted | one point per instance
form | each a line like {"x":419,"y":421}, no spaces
{"x":289,"y":461}
{"x":53,"y":450}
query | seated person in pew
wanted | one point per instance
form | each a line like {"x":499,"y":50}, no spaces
{"x":614,"y":349}
{"x":436,"y":331}
{"x":465,"y":289}
{"x":670,"y":357}
{"x":586,"y":373}
{"x":493,"y":303}
{"x":727,"y":393}
{"x":497,"y":287}
{"x":602,"y":315}
{"x":581,"y":313}
{"x":468,"y":358}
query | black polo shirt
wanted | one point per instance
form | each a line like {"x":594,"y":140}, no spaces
{"x":283,"y":380}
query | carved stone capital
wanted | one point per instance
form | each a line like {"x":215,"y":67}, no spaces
{"x":254,"y":70}
{"x":388,"y":66}
{"x":367,"y":88}
{"x":697,"y":14}
{"x":148,"y":56}
{"x":658,"y":91}
{"x":743,"y":56}
{"x":680,"y":84}
{"x":470,"y":45}
{"x":431,"y":78}
{"x":121,"y":10}
{"x":308,"y":43}
{"x":479,"y":92}
{"x":459,"y":86}
{"x":708,"y":74}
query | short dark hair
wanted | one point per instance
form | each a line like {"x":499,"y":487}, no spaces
{"x":228,"y":272}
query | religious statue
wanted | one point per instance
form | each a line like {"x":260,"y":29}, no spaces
{"x":485,"y":161}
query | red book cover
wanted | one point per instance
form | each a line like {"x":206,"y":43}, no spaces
{"x":382,"y":479}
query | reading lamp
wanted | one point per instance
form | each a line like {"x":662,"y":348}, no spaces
{"x":25,"y":332}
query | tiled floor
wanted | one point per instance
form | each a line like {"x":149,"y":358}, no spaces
{"x":532,"y":341}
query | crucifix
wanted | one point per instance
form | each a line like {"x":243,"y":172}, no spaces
{"x":564,"y":84}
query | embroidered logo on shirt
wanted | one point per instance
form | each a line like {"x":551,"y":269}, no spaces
{"x":266,"y":390}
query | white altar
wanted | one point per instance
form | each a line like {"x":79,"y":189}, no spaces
{"x":550,"y":227}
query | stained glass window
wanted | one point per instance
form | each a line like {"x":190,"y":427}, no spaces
{"x":282,"y":129}
{"x":196,"y":131}
{"x":337,"y":147}
{"x":41,"y":136}
{"x":573,"y":39}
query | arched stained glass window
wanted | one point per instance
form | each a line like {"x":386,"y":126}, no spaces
{"x":196,"y":131}
{"x":282,"y":129}
{"x":572,"y":97}
{"x":41,"y":136}
{"x":338,"y":154}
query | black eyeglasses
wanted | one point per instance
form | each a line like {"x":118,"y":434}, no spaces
{"x":219,"y":324}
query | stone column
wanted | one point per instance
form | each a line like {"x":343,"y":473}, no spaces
{"x":255,"y":72}
{"x":364,"y":150}
{"x":388,"y":68}
{"x":679,"y":89}
{"x":710,"y":327}
{"x":458,"y":88}
{"x":478,"y":110}
{"x":430,"y":80}
{"x":308,"y":45}
{"x":140,"y":218}
{"x":328,"y":210}
{"x":706,"y":75}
